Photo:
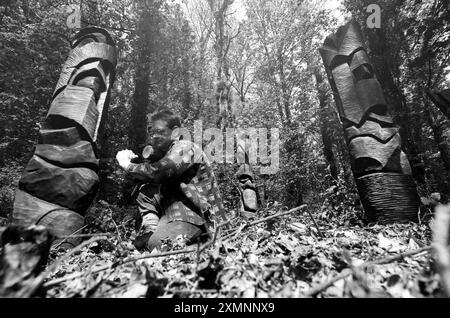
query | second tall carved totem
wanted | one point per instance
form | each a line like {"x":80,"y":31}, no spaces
{"x":61,"y":179}
{"x":381,"y":169}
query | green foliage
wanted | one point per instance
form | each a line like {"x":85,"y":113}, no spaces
{"x":33,"y":47}
{"x":168,"y":58}
{"x":9,"y":180}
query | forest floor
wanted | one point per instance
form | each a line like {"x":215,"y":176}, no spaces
{"x":287,"y":256}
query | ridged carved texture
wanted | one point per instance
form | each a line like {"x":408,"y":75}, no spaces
{"x":381,"y":169}
{"x":61,"y":179}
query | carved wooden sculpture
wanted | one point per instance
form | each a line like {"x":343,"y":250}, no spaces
{"x":61,"y":179}
{"x":247,"y":190}
{"x":441,"y":100}
{"x":381,"y":169}
{"x":245,"y":177}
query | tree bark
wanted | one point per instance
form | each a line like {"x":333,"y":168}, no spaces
{"x":327,"y":139}
{"x":138,"y":122}
{"x":148,"y":31}
{"x":441,"y":133}
{"x":219,"y":10}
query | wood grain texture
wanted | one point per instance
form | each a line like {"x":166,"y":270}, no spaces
{"x":103,"y":105}
{"x":94,"y":33}
{"x":358,"y":59}
{"x":90,"y":69}
{"x":389,"y":197}
{"x":349,"y":103}
{"x":249,"y":200}
{"x":72,"y":188}
{"x":82,"y":55}
{"x":406,"y":167}
{"x":338,"y":47}
{"x":330,"y":55}
{"x":77,"y":106}
{"x":370,"y":94}
{"x":60,"y":181}
{"x":384,"y":120}
{"x":363,"y":72}
{"x":29,"y":210}
{"x":79,"y":155}
{"x":373,"y":129}
{"x":369,"y":154}
{"x":95,"y":69}
{"x":381,"y":169}
{"x":94,"y":84}
{"x":64,"y":136}
{"x":355,"y":100}
{"x":349,"y":38}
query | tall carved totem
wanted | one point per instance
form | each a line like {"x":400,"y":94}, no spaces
{"x":381,"y":170}
{"x":61,"y":179}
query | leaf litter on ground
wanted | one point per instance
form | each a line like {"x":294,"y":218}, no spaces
{"x":283,"y":259}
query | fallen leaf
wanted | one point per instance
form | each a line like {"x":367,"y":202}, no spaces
{"x":299,"y":228}
{"x":136,"y":290}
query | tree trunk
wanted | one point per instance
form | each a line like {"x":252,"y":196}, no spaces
{"x":187,"y":95}
{"x":285,"y":94}
{"x":222,"y":75}
{"x":327,"y":138}
{"x":148,"y":31}
{"x":138,"y":122}
{"x":441,"y":133}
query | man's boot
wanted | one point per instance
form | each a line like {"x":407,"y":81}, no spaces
{"x":149,"y":225}
{"x":170,"y":231}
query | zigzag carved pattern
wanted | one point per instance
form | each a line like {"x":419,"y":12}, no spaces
{"x":373,"y":140}
{"x":60,"y":181}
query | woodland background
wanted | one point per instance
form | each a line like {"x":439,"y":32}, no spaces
{"x":246,"y":63}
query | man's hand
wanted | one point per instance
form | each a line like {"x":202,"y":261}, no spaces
{"x":124,"y":158}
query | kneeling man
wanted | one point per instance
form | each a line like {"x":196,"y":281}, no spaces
{"x":179,"y":195}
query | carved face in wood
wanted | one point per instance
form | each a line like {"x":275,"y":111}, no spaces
{"x":381,"y":169}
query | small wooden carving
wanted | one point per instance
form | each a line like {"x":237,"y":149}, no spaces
{"x":247,"y":189}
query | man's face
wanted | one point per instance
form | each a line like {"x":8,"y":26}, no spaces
{"x":159,"y":137}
